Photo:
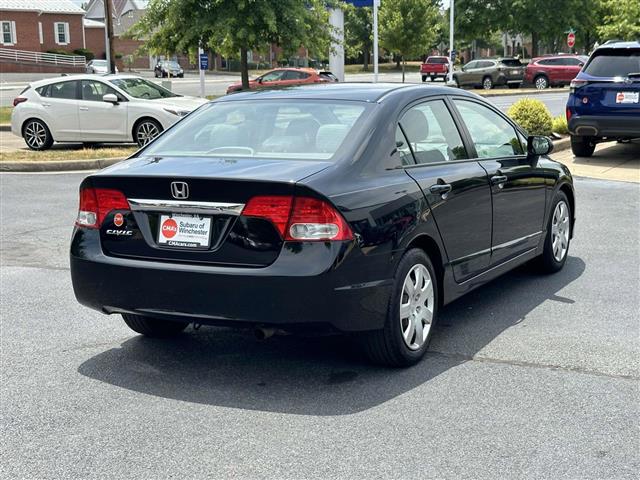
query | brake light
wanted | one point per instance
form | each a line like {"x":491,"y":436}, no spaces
{"x":568,"y":114}
{"x":18,"y":100}
{"x":96,"y":203}
{"x":575,"y":84}
{"x":300,"y":218}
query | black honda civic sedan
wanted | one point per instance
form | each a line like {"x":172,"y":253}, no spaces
{"x":359,"y":208}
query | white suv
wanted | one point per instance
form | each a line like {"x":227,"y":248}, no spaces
{"x":90,"y":109}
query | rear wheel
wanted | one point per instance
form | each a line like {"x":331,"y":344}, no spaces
{"x":424,"y":78}
{"x":541,"y":82}
{"x":433,"y":78}
{"x":411,"y":314}
{"x":153,"y":327}
{"x":556,"y":245}
{"x":582,"y":146}
{"x":487,"y":83}
{"x":145,"y":131}
{"x":36,"y":135}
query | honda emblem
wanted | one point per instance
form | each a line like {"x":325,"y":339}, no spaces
{"x":180,"y":190}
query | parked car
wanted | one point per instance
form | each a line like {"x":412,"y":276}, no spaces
{"x":90,"y":109}
{"x":604,"y":99}
{"x":488,"y":73}
{"x":315,"y":209}
{"x":98,"y":66}
{"x":286,"y":77}
{"x":553,"y":71}
{"x":166,"y":68}
{"x":434,"y":67}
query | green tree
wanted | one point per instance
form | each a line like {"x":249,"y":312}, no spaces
{"x":621,"y":20}
{"x":358,"y":28}
{"x":232,"y":26}
{"x":408,"y":28}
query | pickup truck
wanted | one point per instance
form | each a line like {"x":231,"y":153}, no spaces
{"x":434,"y":67}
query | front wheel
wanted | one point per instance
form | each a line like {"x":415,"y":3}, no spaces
{"x":411,"y":314}
{"x":145,"y":131}
{"x":556,"y":244}
{"x":582,"y":146}
{"x":153,"y":327}
{"x":487,"y":83}
{"x":37,"y":135}
{"x":541,"y":82}
{"x":424,"y":78}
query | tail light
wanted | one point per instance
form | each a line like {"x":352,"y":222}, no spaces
{"x":575,"y":84}
{"x":18,"y":100}
{"x":568,"y":114}
{"x":300,"y":218}
{"x":96,"y":203}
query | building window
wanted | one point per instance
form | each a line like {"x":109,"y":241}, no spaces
{"x":8,"y":32}
{"x":61,"y":30}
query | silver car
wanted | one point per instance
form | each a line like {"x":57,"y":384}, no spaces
{"x":488,"y":73}
{"x":98,"y":66}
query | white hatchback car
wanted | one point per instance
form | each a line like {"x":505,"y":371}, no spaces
{"x":90,"y":109}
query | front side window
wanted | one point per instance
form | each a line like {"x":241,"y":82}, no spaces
{"x":280,"y":129}
{"x":273,"y":76}
{"x":62,"y":33}
{"x":8,"y":33}
{"x":66,"y":90}
{"x":492,"y":135}
{"x":143,"y":89}
{"x":94,"y":91}
{"x":432,"y":133}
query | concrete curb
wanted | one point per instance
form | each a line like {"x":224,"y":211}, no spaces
{"x":561,"y":144}
{"x":517,"y":91}
{"x":58,"y":166}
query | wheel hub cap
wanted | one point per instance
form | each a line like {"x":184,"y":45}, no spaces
{"x":35,"y":135}
{"x":147,"y":132}
{"x":416,"y":307}
{"x":560,"y":229}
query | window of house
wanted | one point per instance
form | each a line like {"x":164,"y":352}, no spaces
{"x":8,"y":32}
{"x":61,"y":31}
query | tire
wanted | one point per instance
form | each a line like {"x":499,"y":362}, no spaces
{"x":541,"y":82}
{"x":37,"y":135}
{"x":388,"y":346}
{"x":145,"y":131}
{"x":558,"y":237}
{"x":424,"y":78}
{"x":153,"y":327}
{"x":455,"y":79}
{"x":487,"y":83}
{"x":582,"y":146}
{"x":433,"y":78}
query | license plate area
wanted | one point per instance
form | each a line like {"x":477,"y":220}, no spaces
{"x":191,"y":232}
{"x":627,"y":97}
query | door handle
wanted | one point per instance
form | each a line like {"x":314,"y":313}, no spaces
{"x":498,"y":179}
{"x":84,"y":109}
{"x":440,"y":188}
{"x":46,"y":104}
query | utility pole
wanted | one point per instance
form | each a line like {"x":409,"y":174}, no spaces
{"x":108,"y":29}
{"x":451,"y":14}
{"x":376,"y":4}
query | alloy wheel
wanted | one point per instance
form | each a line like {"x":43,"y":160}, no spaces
{"x":146,"y":132}
{"x":487,"y":84}
{"x":416,"y":307}
{"x":541,"y":83}
{"x":35,"y":134}
{"x":560,"y":231}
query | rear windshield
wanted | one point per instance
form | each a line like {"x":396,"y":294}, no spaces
{"x":300,"y":130}
{"x":511,"y":62}
{"x":614,"y":63}
{"x":436,"y":60}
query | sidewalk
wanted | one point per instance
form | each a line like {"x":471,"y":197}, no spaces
{"x":611,"y":161}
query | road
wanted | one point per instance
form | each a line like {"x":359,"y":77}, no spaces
{"x":217,"y":85}
{"x":529,"y":376}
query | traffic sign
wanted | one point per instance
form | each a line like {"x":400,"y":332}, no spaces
{"x":204,"y":61}
{"x":571,"y":40}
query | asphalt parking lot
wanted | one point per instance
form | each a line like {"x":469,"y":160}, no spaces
{"x":530,"y":375}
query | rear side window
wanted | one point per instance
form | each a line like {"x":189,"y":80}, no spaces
{"x":614,"y":63}
{"x":293,"y":75}
{"x":491,"y":134}
{"x":66,"y":90}
{"x":432,"y":133}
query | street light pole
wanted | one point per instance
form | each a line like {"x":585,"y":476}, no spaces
{"x":451,"y":14}
{"x":376,"y":3}
{"x":108,"y":30}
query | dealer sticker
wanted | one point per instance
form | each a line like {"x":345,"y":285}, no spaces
{"x":627,"y":97}
{"x":184,"y":231}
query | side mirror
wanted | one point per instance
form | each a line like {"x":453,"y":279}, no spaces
{"x":110,"y":98}
{"x":581,"y":64}
{"x":538,"y":145}
{"x":259,"y":79}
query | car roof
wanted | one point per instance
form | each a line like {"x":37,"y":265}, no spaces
{"x":79,"y":76}
{"x":616,"y":44}
{"x":360,"y":92}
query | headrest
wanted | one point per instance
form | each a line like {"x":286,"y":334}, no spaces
{"x":415,"y":125}
{"x":330,"y":136}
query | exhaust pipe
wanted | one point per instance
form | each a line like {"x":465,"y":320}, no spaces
{"x":262,"y":333}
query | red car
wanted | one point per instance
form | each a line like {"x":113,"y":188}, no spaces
{"x":434,"y":67}
{"x":284,"y":77}
{"x":544,"y":72}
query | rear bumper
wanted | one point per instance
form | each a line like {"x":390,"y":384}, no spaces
{"x":605,"y":126}
{"x":310,"y":286}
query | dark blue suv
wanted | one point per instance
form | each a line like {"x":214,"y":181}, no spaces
{"x":604,"y":103}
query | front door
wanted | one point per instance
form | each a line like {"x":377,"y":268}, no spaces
{"x":101,"y":121}
{"x":517,"y":184}
{"x":456,"y":189}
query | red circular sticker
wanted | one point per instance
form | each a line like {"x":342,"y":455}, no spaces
{"x":118,"y":219}
{"x":169,"y":228}
{"x":620,"y":97}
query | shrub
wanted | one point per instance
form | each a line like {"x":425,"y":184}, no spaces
{"x":532,"y":115}
{"x":560,"y":125}
{"x":88,"y":54}
{"x":59,"y":51}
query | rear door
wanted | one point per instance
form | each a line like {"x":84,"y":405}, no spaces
{"x":457,"y":189}
{"x":571,"y":68}
{"x":518,"y":185}
{"x":101,"y":121}
{"x":60,"y":102}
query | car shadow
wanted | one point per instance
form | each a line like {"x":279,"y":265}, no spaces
{"x":322,"y":375}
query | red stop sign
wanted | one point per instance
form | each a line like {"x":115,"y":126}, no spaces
{"x":571,"y":40}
